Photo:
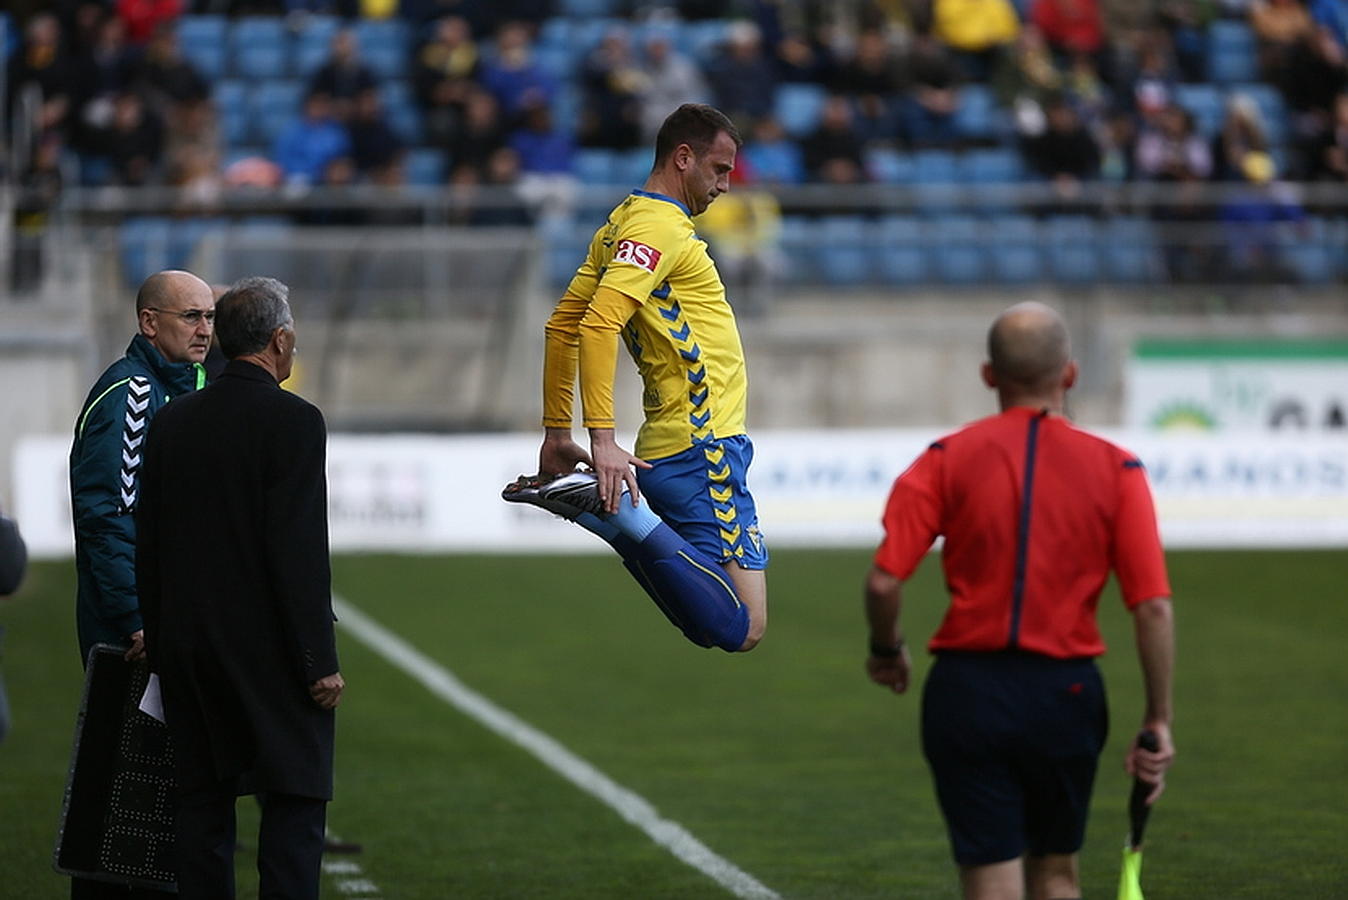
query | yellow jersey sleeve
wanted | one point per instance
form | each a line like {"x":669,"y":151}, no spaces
{"x":641,"y":252}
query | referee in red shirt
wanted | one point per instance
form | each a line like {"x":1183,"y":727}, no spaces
{"x":1035,"y":514}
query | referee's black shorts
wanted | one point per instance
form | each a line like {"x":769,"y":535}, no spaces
{"x":1013,"y":740}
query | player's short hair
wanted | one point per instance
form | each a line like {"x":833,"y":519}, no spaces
{"x":694,"y":124}
{"x":248,"y":313}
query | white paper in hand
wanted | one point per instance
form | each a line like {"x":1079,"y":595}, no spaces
{"x":151,"y":703}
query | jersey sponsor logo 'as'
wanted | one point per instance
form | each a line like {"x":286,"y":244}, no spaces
{"x":638,"y":254}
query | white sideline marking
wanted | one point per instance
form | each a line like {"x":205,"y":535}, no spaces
{"x":631,"y":806}
{"x":353,"y":882}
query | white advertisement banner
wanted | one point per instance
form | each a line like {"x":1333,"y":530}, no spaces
{"x":813,"y":488}
{"x":1279,"y":386}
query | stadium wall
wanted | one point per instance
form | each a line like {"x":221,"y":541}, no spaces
{"x":417,"y":493}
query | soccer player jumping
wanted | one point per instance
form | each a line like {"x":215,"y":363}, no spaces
{"x":678,"y":510}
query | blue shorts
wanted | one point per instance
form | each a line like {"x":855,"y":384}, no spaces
{"x":1013,"y":740}
{"x":702,"y":494}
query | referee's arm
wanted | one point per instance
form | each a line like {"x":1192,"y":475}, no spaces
{"x":888,"y":663}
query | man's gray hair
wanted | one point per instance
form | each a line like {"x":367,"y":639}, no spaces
{"x":248,"y":313}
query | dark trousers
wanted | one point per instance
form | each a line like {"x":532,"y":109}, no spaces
{"x":89,"y":889}
{"x":289,"y":849}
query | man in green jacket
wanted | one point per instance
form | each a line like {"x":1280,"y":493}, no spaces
{"x":176,"y":313}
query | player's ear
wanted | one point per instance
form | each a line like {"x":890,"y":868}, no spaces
{"x":148,"y":326}
{"x":989,"y":376}
{"x":1069,"y":374}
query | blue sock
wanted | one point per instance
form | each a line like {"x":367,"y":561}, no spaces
{"x":691,"y":590}
{"x":634,"y":521}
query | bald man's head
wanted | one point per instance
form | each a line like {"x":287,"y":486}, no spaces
{"x":1028,"y":346}
{"x":177,"y":315}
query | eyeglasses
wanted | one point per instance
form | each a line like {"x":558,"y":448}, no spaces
{"x":191,"y":316}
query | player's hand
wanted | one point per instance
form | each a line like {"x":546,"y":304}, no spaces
{"x":327,"y":691}
{"x":613,"y":467}
{"x":890,"y":672}
{"x":1152,"y":766}
{"x":560,"y":454}
{"x":137,"y":649}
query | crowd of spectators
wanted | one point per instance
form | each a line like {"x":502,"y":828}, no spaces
{"x":1089,"y":90}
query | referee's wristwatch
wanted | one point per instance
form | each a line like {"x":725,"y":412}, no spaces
{"x":887,"y":651}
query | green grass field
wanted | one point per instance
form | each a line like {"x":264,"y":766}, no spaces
{"x":786,"y":762}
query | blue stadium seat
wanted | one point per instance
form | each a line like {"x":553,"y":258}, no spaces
{"x":797,"y":244}
{"x":703,"y":40}
{"x":202,"y":40}
{"x":385,"y":46}
{"x":958,"y":249}
{"x":554,"y":32}
{"x":313,"y":43}
{"x":559,"y":62}
{"x":634,"y":166}
{"x":1232,"y":55}
{"x":274,"y":105}
{"x":566,"y":108}
{"x":902,"y":251}
{"x":259,"y":47}
{"x":1072,"y":245}
{"x":143,"y":243}
{"x":889,"y":166}
{"x":998,"y":173}
{"x":425,"y":166}
{"x":979,"y":118}
{"x":565,"y":242}
{"x":231,"y":106}
{"x":936,"y":180}
{"x":1304,"y":247}
{"x":587,"y":9}
{"x":401,"y":109}
{"x":595,"y":165}
{"x":1130,"y":254}
{"x":843,"y":256}
{"x":586,"y":34}
{"x":1206,"y":103}
{"x":797,"y":107}
{"x":1013,"y":250}
{"x":1271,"y":106}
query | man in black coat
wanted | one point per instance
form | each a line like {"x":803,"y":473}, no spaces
{"x":237,"y":604}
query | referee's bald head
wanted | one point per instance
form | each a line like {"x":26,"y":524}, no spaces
{"x":1028,"y":346}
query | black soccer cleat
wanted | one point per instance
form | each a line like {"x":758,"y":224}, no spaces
{"x":566,"y":495}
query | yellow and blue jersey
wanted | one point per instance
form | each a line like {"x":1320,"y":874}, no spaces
{"x":683,"y":337}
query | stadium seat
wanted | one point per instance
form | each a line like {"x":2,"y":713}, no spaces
{"x":936,"y":180}
{"x":843,"y":250}
{"x":1072,"y":247}
{"x":958,"y":249}
{"x":1271,"y":107}
{"x":554,"y":32}
{"x":313,"y":43}
{"x":1304,"y":248}
{"x":558,"y":62}
{"x":566,"y":108}
{"x":143,"y":242}
{"x":401,"y":109}
{"x":425,"y":166}
{"x":1130,"y":254}
{"x":978,"y":117}
{"x":797,"y":244}
{"x":202,"y":41}
{"x":901,"y":251}
{"x":385,"y":46}
{"x":998,"y":173}
{"x":274,"y":105}
{"x":1013,"y":250}
{"x":1206,"y":103}
{"x":703,"y":40}
{"x":259,"y":47}
{"x":595,"y":165}
{"x":586,"y":9}
{"x":634,"y":166}
{"x":889,"y":166}
{"x":798,"y":106}
{"x":1232,"y":55}
{"x":586,"y":34}
{"x":231,"y":106}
